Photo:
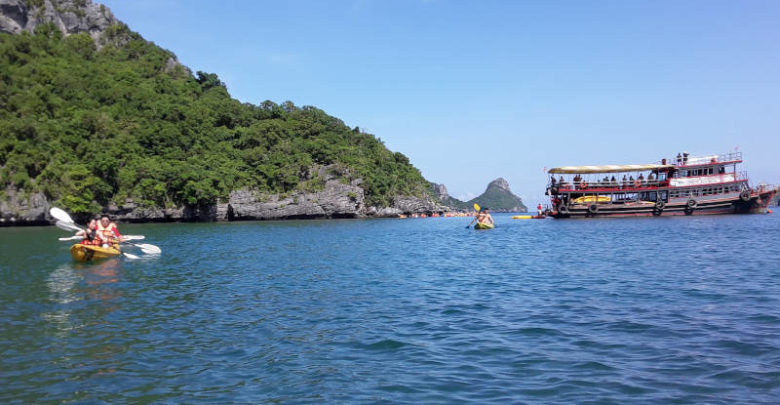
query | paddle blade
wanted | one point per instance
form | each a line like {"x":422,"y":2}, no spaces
{"x":477,"y":208}
{"x":72,"y":238}
{"x":60,"y":215}
{"x":133,"y":237}
{"x":129,"y":256}
{"x":67,"y":226}
{"x":148,"y":249}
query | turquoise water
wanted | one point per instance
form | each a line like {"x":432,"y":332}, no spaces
{"x":666,"y":310}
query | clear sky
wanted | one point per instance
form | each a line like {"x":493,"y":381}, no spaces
{"x":475,"y":90}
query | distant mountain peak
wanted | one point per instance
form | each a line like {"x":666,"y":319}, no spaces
{"x":500,"y":183}
{"x":499,"y":197}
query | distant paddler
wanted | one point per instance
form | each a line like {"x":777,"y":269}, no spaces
{"x":482,"y":217}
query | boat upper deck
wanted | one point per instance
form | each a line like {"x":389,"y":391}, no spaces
{"x":685,"y":171}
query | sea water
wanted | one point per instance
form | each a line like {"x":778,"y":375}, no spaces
{"x":651,"y":310}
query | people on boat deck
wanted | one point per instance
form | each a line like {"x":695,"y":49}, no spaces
{"x":484,"y":217}
{"x":625,"y":181}
{"x":108,"y":231}
{"x":578,"y":183}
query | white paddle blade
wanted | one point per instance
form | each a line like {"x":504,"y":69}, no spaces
{"x":60,"y":215}
{"x":72,"y":238}
{"x":133,"y":237}
{"x":67,"y":226}
{"x":149,"y":249}
{"x":130,"y":256}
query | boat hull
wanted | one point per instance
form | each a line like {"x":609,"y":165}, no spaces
{"x":755,"y":205}
{"x":87,"y":253}
{"x":479,"y":226}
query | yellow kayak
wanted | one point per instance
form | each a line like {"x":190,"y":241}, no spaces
{"x":592,"y":198}
{"x":483,"y":226}
{"x":85,"y":253}
{"x":528,"y":217}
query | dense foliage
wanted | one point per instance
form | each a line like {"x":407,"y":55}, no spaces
{"x":89,"y":127}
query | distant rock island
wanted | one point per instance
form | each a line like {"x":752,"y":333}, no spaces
{"x":498,"y":197}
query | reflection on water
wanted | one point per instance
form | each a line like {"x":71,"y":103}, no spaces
{"x":84,"y":294}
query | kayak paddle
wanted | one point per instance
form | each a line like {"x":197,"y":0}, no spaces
{"x":68,"y":226}
{"x":124,"y":237}
{"x":476,"y":208}
{"x":147,"y":248}
{"x":60,"y":215}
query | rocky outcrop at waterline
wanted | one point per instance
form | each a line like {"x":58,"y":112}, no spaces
{"x":338,"y":198}
{"x":20,"y":208}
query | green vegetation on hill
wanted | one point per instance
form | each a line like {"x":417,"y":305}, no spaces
{"x":498,"y":198}
{"x":88,"y":127}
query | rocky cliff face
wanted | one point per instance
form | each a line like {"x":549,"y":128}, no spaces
{"x":70,"y":16}
{"x":500,"y":184}
{"x":19,"y":208}
{"x":338,"y":198}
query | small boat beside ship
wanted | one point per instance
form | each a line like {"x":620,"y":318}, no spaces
{"x":685,"y":185}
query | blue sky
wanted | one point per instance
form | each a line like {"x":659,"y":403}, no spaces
{"x":475,"y":90}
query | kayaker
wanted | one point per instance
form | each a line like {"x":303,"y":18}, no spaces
{"x":484,"y":217}
{"x":108,"y":231}
{"x":90,"y":234}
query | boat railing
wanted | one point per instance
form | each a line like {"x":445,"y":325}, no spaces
{"x":609,"y":186}
{"x":683,"y":160}
{"x":763,"y":188}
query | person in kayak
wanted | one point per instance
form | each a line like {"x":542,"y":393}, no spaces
{"x":90,"y":234}
{"x":108,"y":232}
{"x":484,"y":217}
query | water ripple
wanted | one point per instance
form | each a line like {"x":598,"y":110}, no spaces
{"x":400,"y":311}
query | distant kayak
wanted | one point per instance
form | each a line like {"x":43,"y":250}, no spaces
{"x":528,"y":217}
{"x":484,"y":226}
{"x":85,"y":253}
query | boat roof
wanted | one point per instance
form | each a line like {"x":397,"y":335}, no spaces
{"x":608,"y":169}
